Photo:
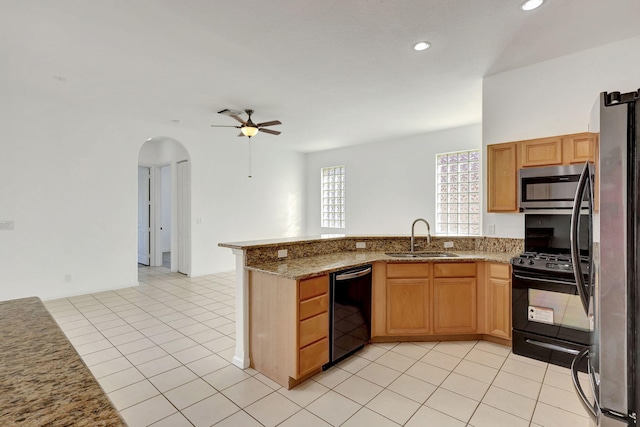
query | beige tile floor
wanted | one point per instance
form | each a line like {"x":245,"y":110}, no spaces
{"x":161,"y":352}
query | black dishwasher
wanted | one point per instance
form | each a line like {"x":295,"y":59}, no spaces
{"x":349,"y":312}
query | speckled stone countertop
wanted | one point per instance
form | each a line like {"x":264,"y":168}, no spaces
{"x":302,"y":268}
{"x":313,"y":255}
{"x":43,"y":380}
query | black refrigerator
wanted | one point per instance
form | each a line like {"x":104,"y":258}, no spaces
{"x":611,"y":297}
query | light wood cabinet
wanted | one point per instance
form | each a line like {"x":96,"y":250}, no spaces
{"x":504,"y":161}
{"x":498,"y":294}
{"x":580,"y":148}
{"x":502,"y":173}
{"x":541,"y":152}
{"x":408,"y":306}
{"x":288,"y":326}
{"x":454,"y":298}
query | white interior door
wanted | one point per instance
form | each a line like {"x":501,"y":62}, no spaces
{"x":184,"y":217}
{"x":144,"y":215}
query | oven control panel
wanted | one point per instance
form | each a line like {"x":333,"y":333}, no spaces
{"x":547,"y":262}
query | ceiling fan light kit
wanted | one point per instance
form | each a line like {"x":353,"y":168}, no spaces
{"x":249,"y":131}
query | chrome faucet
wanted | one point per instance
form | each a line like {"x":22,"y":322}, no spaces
{"x":413,"y":227}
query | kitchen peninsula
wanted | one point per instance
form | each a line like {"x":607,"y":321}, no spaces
{"x":282,"y":288}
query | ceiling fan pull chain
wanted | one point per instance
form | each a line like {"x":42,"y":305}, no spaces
{"x":249,"y":157}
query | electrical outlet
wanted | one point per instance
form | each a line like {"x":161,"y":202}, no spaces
{"x":7,"y":225}
{"x":361,"y":245}
{"x":491,"y":229}
{"x":282,"y":253}
{"x":448,"y":245}
{"x":68,"y":278}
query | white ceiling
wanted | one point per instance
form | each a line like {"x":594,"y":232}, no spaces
{"x":335,"y":72}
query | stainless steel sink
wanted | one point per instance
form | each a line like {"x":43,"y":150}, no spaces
{"x":421,"y":255}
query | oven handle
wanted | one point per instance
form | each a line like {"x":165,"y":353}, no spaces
{"x":353,"y":275}
{"x":585,"y":178}
{"x":552,"y":346}
{"x":539,"y":279}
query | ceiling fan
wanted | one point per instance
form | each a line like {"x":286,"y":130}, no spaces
{"x":248,"y":128}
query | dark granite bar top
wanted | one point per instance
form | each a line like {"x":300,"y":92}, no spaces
{"x":43,"y":380}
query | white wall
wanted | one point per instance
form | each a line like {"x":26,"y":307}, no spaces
{"x":69,"y":181}
{"x":388,"y":184}
{"x":552,"y":98}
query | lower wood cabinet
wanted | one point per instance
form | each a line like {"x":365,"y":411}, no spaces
{"x":408,"y":306}
{"x":288,"y":326}
{"x":442,"y":299}
{"x":455,"y":298}
{"x":498,"y":294}
{"x":408,"y":300}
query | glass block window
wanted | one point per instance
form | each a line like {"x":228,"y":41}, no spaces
{"x":458,"y":193}
{"x":333,"y":197}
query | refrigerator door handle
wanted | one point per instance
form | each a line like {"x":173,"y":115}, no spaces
{"x":583,"y":184}
{"x":591,"y":407}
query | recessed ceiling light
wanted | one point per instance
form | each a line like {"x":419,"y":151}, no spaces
{"x":531,"y":4}
{"x":421,"y":46}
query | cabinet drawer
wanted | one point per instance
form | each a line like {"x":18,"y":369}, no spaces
{"x":313,"y":329}
{"x":405,"y":270}
{"x":313,"y":287}
{"x":313,"y":306}
{"x":500,"y":271}
{"x":454,"y":269}
{"x":313,"y":356}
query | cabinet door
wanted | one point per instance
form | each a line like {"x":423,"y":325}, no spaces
{"x":454,"y":305}
{"x":502,"y":189}
{"x":408,"y":306}
{"x":499,"y":307}
{"x":541,"y":152}
{"x":498,"y":294}
{"x":579,"y":148}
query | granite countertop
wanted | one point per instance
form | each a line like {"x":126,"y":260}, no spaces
{"x":43,"y":379}
{"x":302,"y":268}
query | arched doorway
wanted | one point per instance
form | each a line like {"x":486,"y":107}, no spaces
{"x":164,"y":201}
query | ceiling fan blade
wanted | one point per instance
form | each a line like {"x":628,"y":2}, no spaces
{"x":240,"y":134}
{"x":271,"y":123}
{"x":237,"y":118}
{"x":225,"y":126}
{"x":272,"y":132}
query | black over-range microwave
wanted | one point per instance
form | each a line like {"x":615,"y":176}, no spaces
{"x":551,"y":187}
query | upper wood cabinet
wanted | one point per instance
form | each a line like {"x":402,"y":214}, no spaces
{"x":541,"y":152}
{"x":504,"y":160}
{"x":579,"y":148}
{"x":502,"y":165}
